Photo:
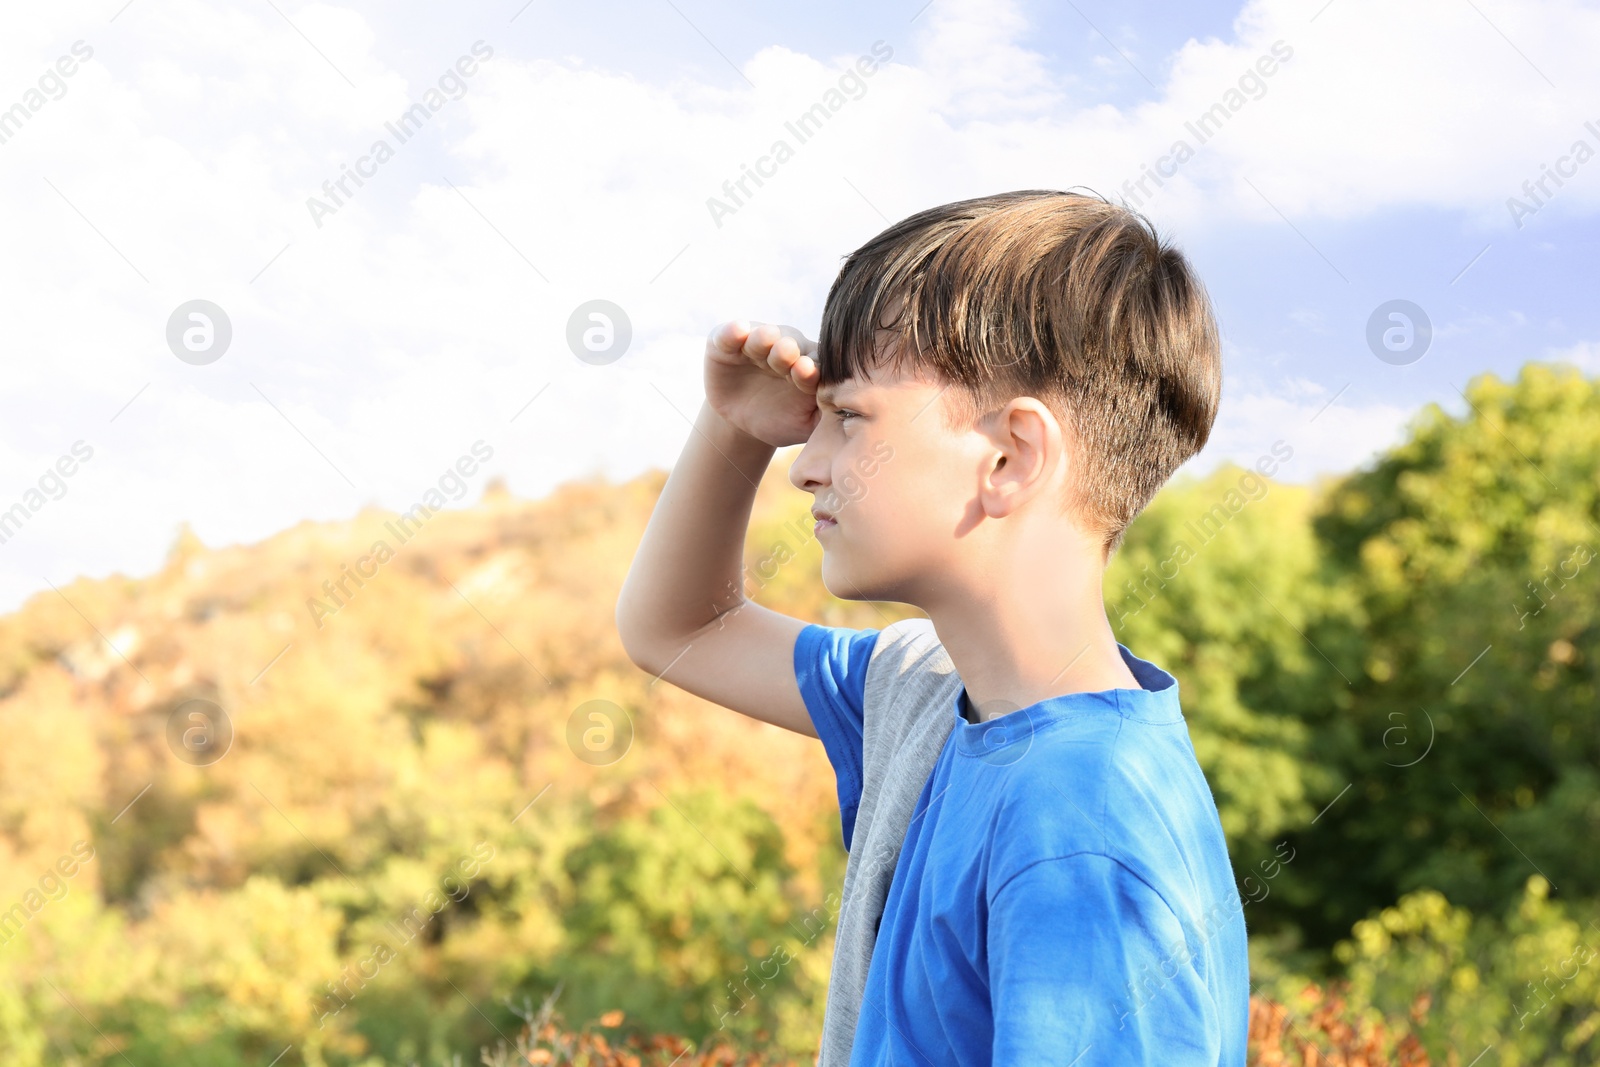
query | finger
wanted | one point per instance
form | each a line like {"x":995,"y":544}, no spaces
{"x":805,"y":344}
{"x":783,"y":355}
{"x":790,"y":356}
{"x":729,"y":337}
{"x":795,"y":361}
{"x":804,"y":374}
{"x":758,"y":346}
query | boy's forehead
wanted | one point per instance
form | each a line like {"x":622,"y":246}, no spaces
{"x":854,"y":391}
{"x":879,"y":380}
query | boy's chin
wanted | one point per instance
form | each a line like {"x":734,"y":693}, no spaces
{"x":846,"y":583}
{"x":836,"y":578}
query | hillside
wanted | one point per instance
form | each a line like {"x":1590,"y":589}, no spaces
{"x":375,"y":726}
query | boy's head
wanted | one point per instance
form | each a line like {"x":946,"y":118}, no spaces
{"x":982,"y":304}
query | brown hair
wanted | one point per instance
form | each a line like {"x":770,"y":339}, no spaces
{"x":1061,"y":296}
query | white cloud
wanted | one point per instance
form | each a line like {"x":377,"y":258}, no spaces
{"x":1329,"y":430}
{"x":1585,"y":355}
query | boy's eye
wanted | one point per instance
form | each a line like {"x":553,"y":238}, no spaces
{"x":845,"y":413}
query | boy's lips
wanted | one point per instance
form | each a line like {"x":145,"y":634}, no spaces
{"x":824,"y":520}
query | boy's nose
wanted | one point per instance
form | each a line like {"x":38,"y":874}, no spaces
{"x":809,"y":472}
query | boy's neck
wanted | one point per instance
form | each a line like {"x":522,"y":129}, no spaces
{"x":1050,"y":638}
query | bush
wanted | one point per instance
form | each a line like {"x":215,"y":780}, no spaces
{"x":1527,"y":986}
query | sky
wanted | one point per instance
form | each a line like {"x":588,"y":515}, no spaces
{"x":165,"y":159}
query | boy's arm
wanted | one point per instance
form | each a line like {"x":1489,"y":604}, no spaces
{"x":682,"y":614}
{"x":1086,"y":960}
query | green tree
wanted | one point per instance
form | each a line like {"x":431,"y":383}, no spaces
{"x":1469,"y":740}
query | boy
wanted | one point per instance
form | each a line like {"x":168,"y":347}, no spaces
{"x":1037,"y":872}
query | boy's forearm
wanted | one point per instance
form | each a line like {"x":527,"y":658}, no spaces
{"x":690,"y":561}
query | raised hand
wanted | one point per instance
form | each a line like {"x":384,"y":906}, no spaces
{"x":762,"y":379}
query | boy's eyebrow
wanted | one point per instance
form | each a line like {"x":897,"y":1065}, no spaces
{"x":828,"y":393}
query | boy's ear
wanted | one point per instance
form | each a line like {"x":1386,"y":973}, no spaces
{"x":1029,"y":449}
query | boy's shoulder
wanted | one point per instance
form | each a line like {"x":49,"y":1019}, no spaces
{"x":911,"y":679}
{"x":1112,"y":785}
{"x":911,"y":644}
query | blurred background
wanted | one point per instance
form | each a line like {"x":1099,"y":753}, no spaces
{"x":346,"y":348}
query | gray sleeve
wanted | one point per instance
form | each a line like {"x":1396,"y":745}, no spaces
{"x":907,"y":715}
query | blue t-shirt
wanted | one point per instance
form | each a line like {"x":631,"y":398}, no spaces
{"x":1064,"y":893}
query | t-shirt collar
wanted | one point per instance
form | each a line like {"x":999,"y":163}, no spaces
{"x":1156,"y":701}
